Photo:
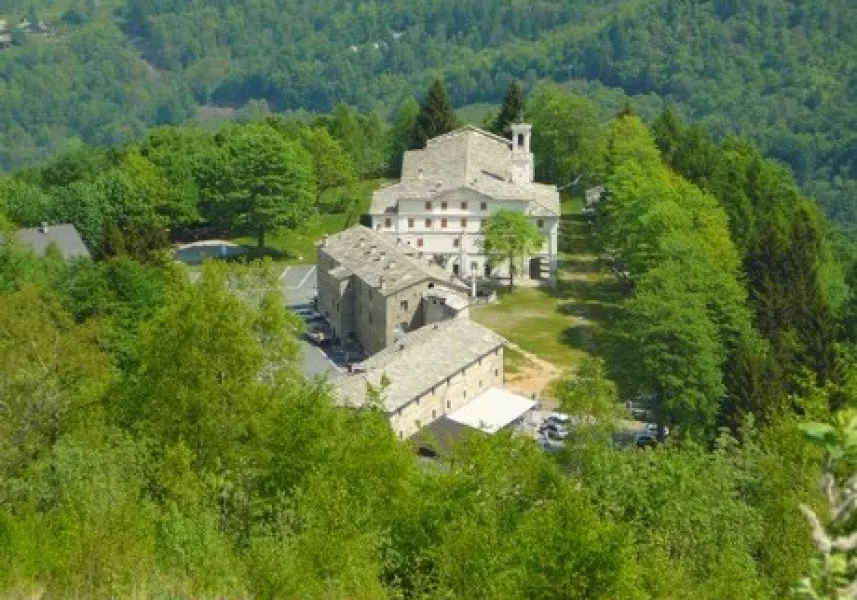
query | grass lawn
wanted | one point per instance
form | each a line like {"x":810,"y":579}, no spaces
{"x":532,"y":318}
{"x":561,"y":325}
{"x":299,"y":246}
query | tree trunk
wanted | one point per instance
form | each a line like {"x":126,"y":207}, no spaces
{"x":261,"y":238}
{"x":511,"y":273}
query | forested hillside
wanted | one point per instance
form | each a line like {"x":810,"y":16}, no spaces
{"x":158,"y":440}
{"x":780,"y":72}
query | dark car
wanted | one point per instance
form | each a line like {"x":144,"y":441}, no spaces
{"x":555,"y":431}
{"x":645,"y":441}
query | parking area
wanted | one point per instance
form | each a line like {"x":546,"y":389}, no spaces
{"x":535,"y":425}
{"x":299,"y":286}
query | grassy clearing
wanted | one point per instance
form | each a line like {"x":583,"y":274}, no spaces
{"x":532,"y":319}
{"x":563,"y":325}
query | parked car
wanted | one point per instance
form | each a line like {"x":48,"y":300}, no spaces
{"x":645,"y":440}
{"x":549,"y":445}
{"x":558,"y":418}
{"x":311,"y":315}
{"x":652,"y":429}
{"x":318,"y":337}
{"x":555,"y":431}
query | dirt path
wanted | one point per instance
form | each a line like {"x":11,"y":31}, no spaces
{"x":533,"y":378}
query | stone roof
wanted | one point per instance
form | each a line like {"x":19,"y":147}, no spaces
{"x":465,"y":158}
{"x":419,"y":361}
{"x":65,"y":237}
{"x":379,"y":261}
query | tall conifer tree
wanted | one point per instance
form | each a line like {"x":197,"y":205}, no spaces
{"x":436,"y":116}
{"x":511,"y":111}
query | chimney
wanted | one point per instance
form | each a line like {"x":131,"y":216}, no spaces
{"x":44,"y":227}
{"x":382,"y":283}
{"x":420,"y":173}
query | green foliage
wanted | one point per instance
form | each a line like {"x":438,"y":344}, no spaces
{"x":775,"y":76}
{"x":401,"y":133}
{"x":510,"y":235}
{"x":687,"y":315}
{"x":332,"y":167}
{"x":794,"y":280}
{"x":436,"y":116}
{"x":511,"y":111}
{"x":832,"y":573}
{"x":567,"y":137}
{"x":266,"y":182}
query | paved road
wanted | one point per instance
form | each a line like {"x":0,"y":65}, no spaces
{"x":298,"y":283}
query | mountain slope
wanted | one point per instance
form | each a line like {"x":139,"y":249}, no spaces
{"x":781,"y":72}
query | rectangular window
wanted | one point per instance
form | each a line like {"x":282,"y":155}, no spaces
{"x":496,"y":372}
{"x":428,"y":205}
{"x":464,"y":206}
{"x":434,"y":414}
{"x":444,"y":206}
{"x":540,"y":223}
{"x":403,"y":305}
{"x":464,"y":223}
{"x":388,"y":222}
{"x":456,"y":242}
{"x":484,"y":206}
{"x":410,"y":223}
{"x":428,"y":223}
{"x":419,"y":242}
{"x":443,"y":223}
{"x":448,"y":404}
{"x":401,"y":435}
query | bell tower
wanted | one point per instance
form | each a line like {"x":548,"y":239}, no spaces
{"x":522,"y":157}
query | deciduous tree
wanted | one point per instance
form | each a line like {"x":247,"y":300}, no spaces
{"x":511,"y":236}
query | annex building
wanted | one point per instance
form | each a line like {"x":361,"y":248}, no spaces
{"x":373,"y":289}
{"x":448,"y":189}
{"x":446,"y":372}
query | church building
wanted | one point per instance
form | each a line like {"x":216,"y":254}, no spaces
{"x":451,"y":187}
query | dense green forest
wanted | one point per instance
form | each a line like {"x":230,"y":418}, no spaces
{"x":157,"y":439}
{"x":779,"y":72}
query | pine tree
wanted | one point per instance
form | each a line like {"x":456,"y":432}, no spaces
{"x":436,"y":116}
{"x":511,"y":111}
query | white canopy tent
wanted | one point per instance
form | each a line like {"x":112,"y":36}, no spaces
{"x":492,"y":410}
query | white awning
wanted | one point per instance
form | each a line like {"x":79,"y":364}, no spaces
{"x":492,"y":410}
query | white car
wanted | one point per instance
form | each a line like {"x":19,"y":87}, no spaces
{"x":652,"y":429}
{"x":558,"y":418}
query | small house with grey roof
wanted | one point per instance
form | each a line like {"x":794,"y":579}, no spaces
{"x":448,"y":190}
{"x":373,"y":290}
{"x":64,"y":238}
